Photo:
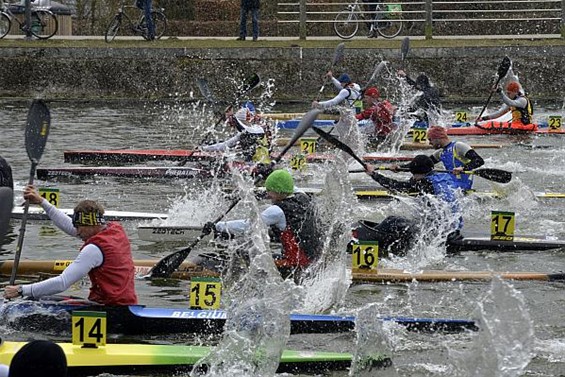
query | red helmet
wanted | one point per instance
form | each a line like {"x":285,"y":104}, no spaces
{"x":372,"y":92}
{"x":513,"y":87}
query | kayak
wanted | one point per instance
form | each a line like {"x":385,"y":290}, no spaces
{"x":37,"y":213}
{"x":292,"y":124}
{"x":125,"y":172}
{"x":469,"y":242}
{"x":53,"y":315}
{"x":368,"y":194}
{"x":139,"y":155}
{"x":289,"y":116}
{"x":472,"y":130}
{"x":136,"y":358}
{"x":189,"y":270}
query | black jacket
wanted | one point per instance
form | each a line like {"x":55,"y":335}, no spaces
{"x":250,"y":4}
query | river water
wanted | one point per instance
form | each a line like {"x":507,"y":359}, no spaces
{"x":522,"y":331}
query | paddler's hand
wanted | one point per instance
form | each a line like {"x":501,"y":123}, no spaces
{"x":369,"y":169}
{"x":31,"y":194}
{"x":315,"y":104}
{"x":208,"y":228}
{"x":457,"y":171}
{"x":12,"y":291}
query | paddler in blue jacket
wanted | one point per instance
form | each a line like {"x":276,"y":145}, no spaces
{"x":424,"y":181}
{"x":456,"y":156}
{"x":292,"y":218}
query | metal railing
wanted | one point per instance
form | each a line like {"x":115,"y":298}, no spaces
{"x":442,"y":18}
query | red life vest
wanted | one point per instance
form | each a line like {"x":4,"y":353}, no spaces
{"x":113,"y":281}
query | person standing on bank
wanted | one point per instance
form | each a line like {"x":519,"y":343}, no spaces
{"x":246,"y":7}
{"x":146,"y":6}
{"x":292,"y":218}
{"x":105,"y":256}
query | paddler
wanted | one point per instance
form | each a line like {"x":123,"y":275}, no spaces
{"x":251,"y":139}
{"x":37,"y":358}
{"x":6,"y":179}
{"x":516,"y":102}
{"x":427,"y":105}
{"x":456,"y":156}
{"x":105,"y":256}
{"x":380,"y":112}
{"x":292,"y":218}
{"x":425,"y":180}
{"x":349,"y":94}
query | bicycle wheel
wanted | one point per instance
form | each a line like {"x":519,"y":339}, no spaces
{"x":44,"y":24}
{"x":113,"y":28}
{"x":160,"y":22}
{"x":390,"y":26}
{"x":5,"y":25}
{"x":346,"y":24}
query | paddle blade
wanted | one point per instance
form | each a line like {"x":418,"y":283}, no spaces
{"x":205,"y":90}
{"x":251,"y":83}
{"x":37,"y":130}
{"x":496,"y":175}
{"x":378,"y":68}
{"x":504,"y":67}
{"x":6,"y":206}
{"x":338,"y":144}
{"x":404,"y":48}
{"x":305,"y":123}
{"x":338,"y":54}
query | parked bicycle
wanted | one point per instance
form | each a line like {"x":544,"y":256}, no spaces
{"x":386,"y":20}
{"x":44,"y":23}
{"x":139,"y":27}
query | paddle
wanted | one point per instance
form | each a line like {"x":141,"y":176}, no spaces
{"x":502,"y":71}
{"x":37,"y":130}
{"x":167,"y":265}
{"x":404,"y":48}
{"x":6,"y":206}
{"x":497,"y":175}
{"x":378,"y":68}
{"x":338,"y":54}
{"x":205,"y":90}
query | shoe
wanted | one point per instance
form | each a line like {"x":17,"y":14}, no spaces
{"x":240,"y":39}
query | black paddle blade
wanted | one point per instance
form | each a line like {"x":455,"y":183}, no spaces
{"x":504,"y":67}
{"x":6,"y":206}
{"x":496,"y":175}
{"x":37,"y":130}
{"x":250,"y":83}
{"x":378,"y":68}
{"x":305,"y":123}
{"x":338,"y":144}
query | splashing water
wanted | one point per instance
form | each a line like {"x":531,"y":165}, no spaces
{"x":503,"y":345}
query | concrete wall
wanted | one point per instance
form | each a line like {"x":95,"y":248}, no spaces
{"x":462,"y":74}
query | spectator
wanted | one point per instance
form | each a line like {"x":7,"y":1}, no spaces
{"x":246,"y":7}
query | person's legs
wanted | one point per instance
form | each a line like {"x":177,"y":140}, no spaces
{"x":242,"y":24}
{"x":149,"y":20}
{"x":255,"y":21}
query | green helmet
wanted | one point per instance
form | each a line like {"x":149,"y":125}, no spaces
{"x":280,"y":181}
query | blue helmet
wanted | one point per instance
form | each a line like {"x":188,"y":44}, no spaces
{"x":250,"y":106}
{"x":344,"y":78}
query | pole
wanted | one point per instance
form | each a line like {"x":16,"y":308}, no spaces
{"x":27,"y":27}
{"x":428,"y":28}
{"x":302,"y":24}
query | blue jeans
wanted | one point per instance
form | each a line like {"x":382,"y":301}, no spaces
{"x":254,"y":20}
{"x":149,"y":20}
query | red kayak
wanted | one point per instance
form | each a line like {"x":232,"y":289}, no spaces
{"x":472,"y":130}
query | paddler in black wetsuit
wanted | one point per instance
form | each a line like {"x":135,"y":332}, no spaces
{"x":6,"y":179}
{"x":292,"y":218}
{"x":424,"y":181}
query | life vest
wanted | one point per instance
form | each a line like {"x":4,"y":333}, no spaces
{"x":523,"y":114}
{"x":382,"y":118}
{"x":445,"y":188}
{"x":354,"y":99}
{"x":113,"y":281}
{"x":451,"y":160}
{"x":301,"y":239}
{"x":254,"y":144}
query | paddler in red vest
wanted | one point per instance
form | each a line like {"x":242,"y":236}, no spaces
{"x":456,"y":156}
{"x":293,"y":221}
{"x":380,"y":112}
{"x":105,"y":256}
{"x":516,"y":102}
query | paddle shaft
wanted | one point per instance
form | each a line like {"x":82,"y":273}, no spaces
{"x":496,"y":175}
{"x":338,"y":53}
{"x":404,"y":48}
{"x":22,"y":227}
{"x":337,"y":143}
{"x":502,"y":71}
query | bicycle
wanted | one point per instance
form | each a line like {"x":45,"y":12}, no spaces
{"x":159,"y":20}
{"x":388,"y":23}
{"x":44,"y":23}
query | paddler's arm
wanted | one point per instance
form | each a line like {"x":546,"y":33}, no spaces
{"x":273,"y":215}
{"x":392,"y":184}
{"x":475,"y":161}
{"x":90,"y":257}
{"x":223,"y":146}
{"x":59,"y":218}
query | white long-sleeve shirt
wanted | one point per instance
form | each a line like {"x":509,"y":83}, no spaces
{"x":232,"y":141}
{"x":90,"y":257}
{"x":272,"y":215}
{"x":349,"y":95}
{"x":519,"y":102}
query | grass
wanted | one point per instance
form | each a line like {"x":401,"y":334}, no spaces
{"x":173,"y":42}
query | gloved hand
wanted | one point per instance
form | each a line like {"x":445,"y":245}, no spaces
{"x":498,"y":89}
{"x":208,"y":228}
{"x":262,"y":171}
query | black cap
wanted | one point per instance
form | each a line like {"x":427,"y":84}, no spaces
{"x":39,"y":358}
{"x":421,"y":164}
